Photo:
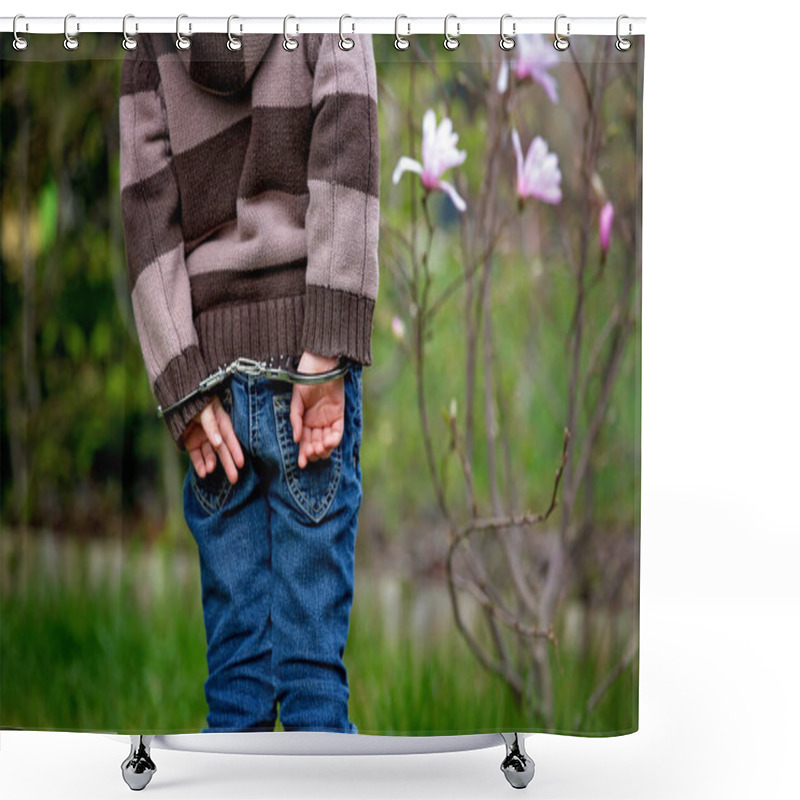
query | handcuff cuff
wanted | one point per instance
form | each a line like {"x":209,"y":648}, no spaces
{"x":249,"y":366}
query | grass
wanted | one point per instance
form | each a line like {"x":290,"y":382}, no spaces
{"x":72,"y":659}
{"x":129,"y":655}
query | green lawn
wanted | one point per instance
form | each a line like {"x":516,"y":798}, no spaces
{"x":125,"y":656}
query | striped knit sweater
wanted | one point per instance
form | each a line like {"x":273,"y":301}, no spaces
{"x":249,"y":187}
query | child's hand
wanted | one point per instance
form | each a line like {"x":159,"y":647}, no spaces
{"x":317,"y":412}
{"x":210,"y":431}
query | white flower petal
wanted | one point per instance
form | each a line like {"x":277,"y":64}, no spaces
{"x":539,"y":176}
{"x":547,"y":82}
{"x":406,"y":164}
{"x":502,"y":77}
{"x":428,"y":136}
{"x":538,"y":149}
{"x":518,"y":151}
{"x":535,"y":55}
{"x":455,"y":158}
{"x":535,"y":48}
{"x":450,"y":190}
{"x":445,"y":130}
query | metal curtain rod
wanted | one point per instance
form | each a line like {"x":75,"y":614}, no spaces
{"x":406,"y":26}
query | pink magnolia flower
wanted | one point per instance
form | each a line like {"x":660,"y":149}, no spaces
{"x":537,"y":174}
{"x":535,"y":55}
{"x":606,"y":220}
{"x":439,"y":154}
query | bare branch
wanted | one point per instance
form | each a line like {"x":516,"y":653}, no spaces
{"x":587,"y":92}
{"x":475,"y":525}
{"x":444,"y":95}
{"x":504,"y":671}
{"x":597,"y":347}
{"x":524,"y":590}
{"x":423,"y":414}
{"x":423,"y":301}
{"x":471,"y":345}
{"x":456,"y":283}
{"x":488,"y":394}
{"x":466,"y":468}
{"x":608,"y":682}
{"x":612,"y":369}
{"x":518,"y":520}
{"x":502,"y":614}
{"x":479,"y":571}
{"x":497,"y":638}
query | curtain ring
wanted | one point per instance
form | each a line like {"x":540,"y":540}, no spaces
{"x":507,"y":42}
{"x":20,"y":43}
{"x":451,"y":42}
{"x":561,"y":43}
{"x":345,"y":42}
{"x":70,"y":42}
{"x":623,"y":44}
{"x":182,"y":42}
{"x":289,"y":42}
{"x":401,"y":42}
{"x":128,"y":42}
{"x":234,"y":44}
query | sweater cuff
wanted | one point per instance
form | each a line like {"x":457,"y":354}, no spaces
{"x":180,"y":377}
{"x":338,"y":323}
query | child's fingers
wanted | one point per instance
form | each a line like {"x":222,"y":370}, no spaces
{"x":208,"y":419}
{"x":197,"y":462}
{"x":333,"y":435}
{"x":296,"y":410}
{"x":229,"y":437}
{"x":306,"y":450}
{"x":208,"y":456}
{"x":318,"y":443}
{"x":211,"y":426}
{"x":227,"y":463}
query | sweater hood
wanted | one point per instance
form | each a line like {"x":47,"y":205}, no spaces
{"x":218,"y":70}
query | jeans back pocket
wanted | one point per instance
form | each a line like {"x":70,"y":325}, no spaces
{"x":312,"y":488}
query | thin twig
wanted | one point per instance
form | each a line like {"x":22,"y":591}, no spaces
{"x":455,"y":284}
{"x":423,"y":301}
{"x":516,"y":567}
{"x":432,"y":67}
{"x":502,"y":614}
{"x":513,"y":680}
{"x":612,"y":369}
{"x":599,"y":692}
{"x":465,"y":467}
{"x":423,"y":413}
{"x":597,"y":347}
{"x":461,"y":536}
{"x":518,"y":520}
{"x":488,"y":395}
{"x":587,"y":92}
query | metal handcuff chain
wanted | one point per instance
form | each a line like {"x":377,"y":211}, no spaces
{"x":249,"y":366}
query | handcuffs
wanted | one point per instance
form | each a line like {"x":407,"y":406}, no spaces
{"x":249,"y":366}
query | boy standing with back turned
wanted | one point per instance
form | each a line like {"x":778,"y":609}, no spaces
{"x":250,"y":209}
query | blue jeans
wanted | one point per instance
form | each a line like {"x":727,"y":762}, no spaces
{"x":277,"y":554}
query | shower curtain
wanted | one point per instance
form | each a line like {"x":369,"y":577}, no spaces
{"x":464,"y":228}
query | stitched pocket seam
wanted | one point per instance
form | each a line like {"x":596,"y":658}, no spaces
{"x":290,"y":468}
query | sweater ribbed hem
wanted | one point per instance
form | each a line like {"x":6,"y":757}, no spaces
{"x":261,"y":330}
{"x":338,"y":323}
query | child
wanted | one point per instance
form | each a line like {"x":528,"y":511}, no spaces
{"x":250,"y":207}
